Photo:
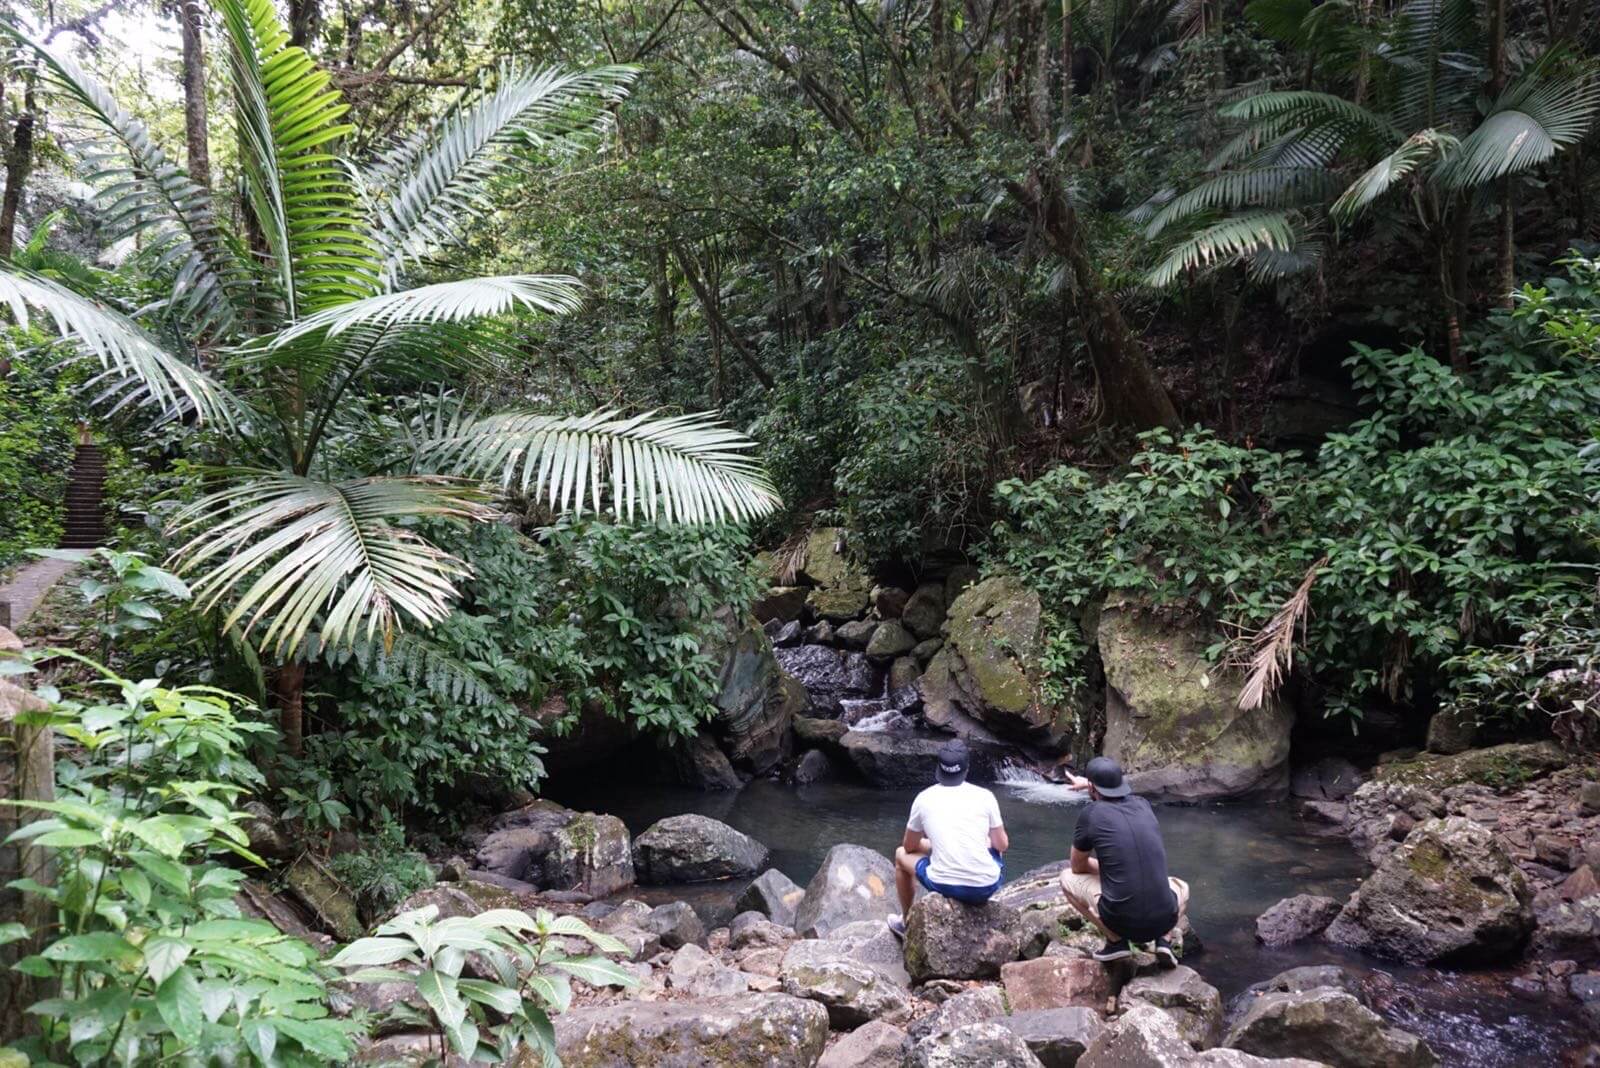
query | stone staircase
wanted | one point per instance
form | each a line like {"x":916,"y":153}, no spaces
{"x":86,"y":518}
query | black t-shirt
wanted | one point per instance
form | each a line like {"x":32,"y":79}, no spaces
{"x":1136,"y":901}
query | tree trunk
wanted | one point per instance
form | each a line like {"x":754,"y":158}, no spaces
{"x":194,"y":92}
{"x":27,"y":772}
{"x":19,"y":163}
{"x":666,"y":309}
{"x":302,"y":21}
{"x":289,"y":687}
{"x":1066,"y":61}
{"x":1505,"y":235}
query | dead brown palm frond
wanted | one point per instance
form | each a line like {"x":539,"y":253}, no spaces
{"x":1272,"y":647}
{"x":790,"y":558}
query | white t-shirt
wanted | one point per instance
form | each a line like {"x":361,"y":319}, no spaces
{"x":957,"y":821}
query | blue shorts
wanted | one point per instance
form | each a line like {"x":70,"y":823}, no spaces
{"x":967,"y":895}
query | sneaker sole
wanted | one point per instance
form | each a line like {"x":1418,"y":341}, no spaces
{"x":1167,"y":958}
{"x":1109,"y":957}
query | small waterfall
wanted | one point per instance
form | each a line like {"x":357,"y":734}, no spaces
{"x":885,"y":720}
{"x":1026,"y":782}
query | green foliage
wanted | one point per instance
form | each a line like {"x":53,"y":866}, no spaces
{"x":149,"y":954}
{"x":1460,"y":511}
{"x":383,"y":872}
{"x":124,"y":591}
{"x":486,"y":1019}
{"x":39,"y":413}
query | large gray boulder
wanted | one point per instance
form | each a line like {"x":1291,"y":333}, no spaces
{"x":830,"y":677}
{"x":857,"y":975}
{"x":980,"y":1045}
{"x":756,"y":699}
{"x":1294,"y":919}
{"x":744,"y":1031}
{"x":692,"y":848}
{"x":872,"y":1045}
{"x":1147,"y":1037}
{"x":774,"y":895}
{"x":841,"y":589}
{"x":675,"y":924}
{"x":1450,"y":894}
{"x":854,"y":883}
{"x":973,"y":1005}
{"x":948,"y":940}
{"x":555,"y":848}
{"x":906,"y":759}
{"x":1194,"y":1004}
{"x":923,"y":614}
{"x":1058,"y":1037}
{"x":1173,"y":719}
{"x":988,"y":669}
{"x":1330,"y":1026}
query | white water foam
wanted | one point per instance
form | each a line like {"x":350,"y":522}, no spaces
{"x":887,"y":720}
{"x":1027,"y":784}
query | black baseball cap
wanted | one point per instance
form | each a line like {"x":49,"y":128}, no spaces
{"x":954,"y":760}
{"x":1106,"y":774}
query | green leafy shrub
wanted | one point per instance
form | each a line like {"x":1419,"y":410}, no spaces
{"x":149,"y":955}
{"x":1458,"y":512}
{"x":39,"y":413}
{"x":384,"y":871}
{"x":484,"y":1019}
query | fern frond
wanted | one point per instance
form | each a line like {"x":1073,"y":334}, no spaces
{"x":419,"y":661}
{"x":1224,"y":242}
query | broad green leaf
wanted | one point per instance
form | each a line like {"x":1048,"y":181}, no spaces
{"x":95,"y":946}
{"x":501,"y":999}
{"x":373,"y":951}
{"x":439,"y":991}
{"x":163,"y":955}
{"x":178,"y":1002}
{"x":598,"y":971}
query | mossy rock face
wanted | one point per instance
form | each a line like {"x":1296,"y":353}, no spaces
{"x":322,"y":892}
{"x":842,"y":589}
{"x":757,"y":701}
{"x":1449,"y":894}
{"x":775,"y":1030}
{"x":1173,"y":720}
{"x":987,"y":668}
{"x":1499,"y":766}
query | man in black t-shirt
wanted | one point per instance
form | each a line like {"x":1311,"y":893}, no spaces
{"x":1118,"y":877}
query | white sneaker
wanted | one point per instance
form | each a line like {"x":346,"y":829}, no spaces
{"x":897,"y":927}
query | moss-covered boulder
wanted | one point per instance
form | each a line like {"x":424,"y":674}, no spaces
{"x":1173,"y":719}
{"x":987,"y":670}
{"x":756,"y":700}
{"x":1450,"y":894}
{"x":555,"y":848}
{"x":946,"y":939}
{"x":841,"y":588}
{"x":1498,"y":766}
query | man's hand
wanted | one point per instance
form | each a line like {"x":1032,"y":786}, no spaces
{"x":1077,"y":782}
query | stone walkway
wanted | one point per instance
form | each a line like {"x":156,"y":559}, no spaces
{"x":27,"y":589}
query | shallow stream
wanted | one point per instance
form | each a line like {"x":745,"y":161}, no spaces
{"x":1238,"y":860}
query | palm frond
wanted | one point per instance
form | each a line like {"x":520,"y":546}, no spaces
{"x":420,"y":662}
{"x":288,"y":119}
{"x":1264,"y":187}
{"x":127,"y":353}
{"x":1310,"y":109}
{"x":437,"y":184}
{"x":1272,"y":647}
{"x":142,"y":193}
{"x":1392,"y":169}
{"x":1227,"y":241}
{"x":1534,"y":118}
{"x":444,"y":302}
{"x":326,"y":555}
{"x":686,"y":468}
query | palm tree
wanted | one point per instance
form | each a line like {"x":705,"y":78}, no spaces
{"x":269,"y":334}
{"x":1414,"y":120}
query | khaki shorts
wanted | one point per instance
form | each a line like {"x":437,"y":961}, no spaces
{"x":1083,"y":889}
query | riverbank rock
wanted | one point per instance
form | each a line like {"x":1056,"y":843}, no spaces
{"x":980,"y":1045}
{"x":988,"y":666}
{"x":785,"y":604}
{"x":734,"y":1032}
{"x":923,"y":614}
{"x":973,"y":1005}
{"x":321,"y":891}
{"x":555,"y":848}
{"x":830,"y":677}
{"x":1451,"y":732}
{"x":1450,"y":894}
{"x":1498,"y":766}
{"x":857,"y":975}
{"x":1058,"y":1037}
{"x":701,"y":763}
{"x":906,"y":759}
{"x":1174,"y":722}
{"x":756,"y":699}
{"x":1147,"y":1038}
{"x":1295,"y":919}
{"x":774,"y":895}
{"x":1194,"y":1004}
{"x":1057,"y":983}
{"x":841,"y":589}
{"x":692,"y":848}
{"x":675,"y":924}
{"x":872,"y":1045}
{"x":1327,"y":779}
{"x":1330,"y":1026}
{"x":854,"y":883}
{"x":948,"y":940}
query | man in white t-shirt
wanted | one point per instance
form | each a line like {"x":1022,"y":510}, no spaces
{"x":954,"y":839}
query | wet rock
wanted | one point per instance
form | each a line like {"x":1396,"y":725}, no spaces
{"x":1329,"y":1026}
{"x":948,"y":940}
{"x":856,"y":633}
{"x":1568,"y":929}
{"x":756,"y":699}
{"x":773,"y":894}
{"x":330,"y":903}
{"x":1451,"y":732}
{"x":692,"y":848}
{"x":903,"y":675}
{"x":676,"y":924}
{"x":1056,"y":983}
{"x":875,"y":1044}
{"x":829,"y":677}
{"x":820,"y":633}
{"x":890,"y":640}
{"x":1589,"y":797}
{"x":1294,"y":919}
{"x":788,"y":635}
{"x":906,"y":759}
{"x":924,"y":651}
{"x":1058,"y":1037}
{"x":782,"y":604}
{"x":980,"y":1045}
{"x":853,"y":883}
{"x":1194,"y":1004}
{"x":988,"y":667}
{"x":1327,"y":779}
{"x":826,"y":733}
{"x":268,"y":837}
{"x":704,"y":766}
{"x":1174,"y":723}
{"x":772,"y":1030}
{"x":965,"y":1007}
{"x":1332,"y":813}
{"x":752,"y":929}
{"x":888,"y":602}
{"x":1498,"y":766}
{"x":1449,"y":894}
{"x":924,"y":612}
{"x":814,"y":766}
{"x":555,"y":848}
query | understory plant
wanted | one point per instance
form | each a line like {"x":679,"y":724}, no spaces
{"x":1460,"y":513}
{"x":148,"y":954}
{"x":518,"y":973}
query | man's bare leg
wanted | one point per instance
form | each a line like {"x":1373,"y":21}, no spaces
{"x":905,"y":877}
